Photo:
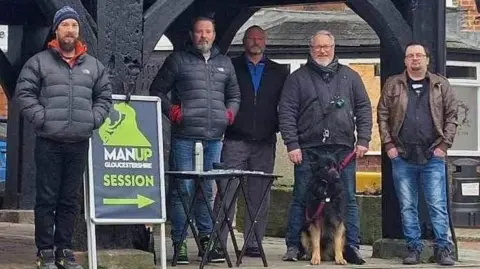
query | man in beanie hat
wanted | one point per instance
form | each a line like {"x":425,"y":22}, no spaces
{"x":66,"y":94}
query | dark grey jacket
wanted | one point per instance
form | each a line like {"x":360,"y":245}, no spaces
{"x":304,"y":106}
{"x":65,"y":104}
{"x":203,"y":89}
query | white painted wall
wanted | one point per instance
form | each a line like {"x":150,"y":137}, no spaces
{"x":3,"y":37}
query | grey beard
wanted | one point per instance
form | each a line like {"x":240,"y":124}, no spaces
{"x":204,"y":48}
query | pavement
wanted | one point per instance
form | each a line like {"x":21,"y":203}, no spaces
{"x":17,"y":251}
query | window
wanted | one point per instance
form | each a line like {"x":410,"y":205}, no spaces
{"x":461,"y":72}
{"x":465,"y":80}
{"x":451,"y":3}
{"x":467,"y":129}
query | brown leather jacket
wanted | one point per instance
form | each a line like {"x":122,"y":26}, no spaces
{"x":392,"y":107}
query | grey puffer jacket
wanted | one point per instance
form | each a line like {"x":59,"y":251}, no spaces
{"x":64,"y":103}
{"x":203,"y":89}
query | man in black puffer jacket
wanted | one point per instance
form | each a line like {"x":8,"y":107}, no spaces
{"x":205,"y":97}
{"x":66,"y":94}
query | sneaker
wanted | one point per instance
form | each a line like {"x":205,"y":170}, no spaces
{"x":64,"y":259}
{"x":216,"y":256}
{"x":291,"y":254}
{"x":46,"y":259}
{"x":413,"y":257}
{"x":182,"y":252}
{"x":444,"y":257}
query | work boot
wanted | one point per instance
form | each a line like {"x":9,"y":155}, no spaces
{"x":413,"y":257}
{"x":64,"y":259}
{"x":182,"y":252}
{"x":46,"y":259}
{"x":444,"y":257}
{"x":291,"y":254}
{"x":352,"y":255}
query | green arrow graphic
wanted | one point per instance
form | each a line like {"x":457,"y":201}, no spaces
{"x":141,"y":201}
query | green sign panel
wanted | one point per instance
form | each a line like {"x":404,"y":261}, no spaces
{"x":126,"y":164}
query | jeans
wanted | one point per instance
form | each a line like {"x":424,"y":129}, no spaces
{"x":59,"y":175}
{"x":431,"y":176}
{"x":183,"y":151}
{"x":303,"y":175}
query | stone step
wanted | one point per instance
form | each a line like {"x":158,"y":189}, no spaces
{"x":17,"y":216}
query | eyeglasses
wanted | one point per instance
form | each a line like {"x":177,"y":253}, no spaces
{"x":324,"y":47}
{"x":415,"y":55}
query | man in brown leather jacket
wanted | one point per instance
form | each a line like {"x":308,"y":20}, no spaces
{"x":417,"y":119}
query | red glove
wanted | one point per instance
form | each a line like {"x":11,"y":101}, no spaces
{"x":229,"y":115}
{"x":175,"y":114}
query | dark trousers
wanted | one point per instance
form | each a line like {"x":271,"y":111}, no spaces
{"x":254,"y":156}
{"x":60,"y":167}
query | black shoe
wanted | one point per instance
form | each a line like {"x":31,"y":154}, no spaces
{"x":252,"y":252}
{"x":182,"y":252}
{"x":64,"y":259}
{"x":216,"y":256}
{"x":352,"y":255}
{"x":444,"y":257}
{"x":203,"y":247}
{"x":46,"y":259}
{"x":413,"y":257}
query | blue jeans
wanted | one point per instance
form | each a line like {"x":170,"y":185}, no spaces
{"x":303,"y":175}
{"x":183,"y":151}
{"x":431,"y":176}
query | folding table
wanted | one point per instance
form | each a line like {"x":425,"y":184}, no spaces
{"x":218,"y":175}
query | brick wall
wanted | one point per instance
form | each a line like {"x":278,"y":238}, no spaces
{"x":317,"y":7}
{"x":470,"y":18}
{"x":3,"y":103}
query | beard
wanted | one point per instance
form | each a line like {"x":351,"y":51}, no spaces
{"x":67,"y":46}
{"x":323,"y":61}
{"x":255,"y":50}
{"x":204,"y":46}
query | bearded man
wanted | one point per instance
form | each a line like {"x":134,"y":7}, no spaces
{"x":66,"y":94}
{"x":322,"y":105}
{"x":204,"y":100}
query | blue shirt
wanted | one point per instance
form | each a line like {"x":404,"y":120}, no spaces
{"x":256,"y":72}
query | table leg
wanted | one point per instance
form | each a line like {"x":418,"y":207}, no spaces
{"x":226,"y":219}
{"x":254,"y":222}
{"x":189,"y":218}
{"x":215,"y":230}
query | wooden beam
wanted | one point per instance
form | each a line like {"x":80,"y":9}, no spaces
{"x":158,"y":17}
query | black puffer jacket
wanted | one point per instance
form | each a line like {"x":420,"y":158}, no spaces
{"x":203,"y":89}
{"x":65,"y":104}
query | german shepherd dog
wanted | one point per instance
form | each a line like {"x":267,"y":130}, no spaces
{"x":323,"y":234}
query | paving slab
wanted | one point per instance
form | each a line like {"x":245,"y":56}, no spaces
{"x":17,"y":251}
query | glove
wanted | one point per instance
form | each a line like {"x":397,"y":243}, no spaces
{"x":175,"y":114}
{"x":230,"y":117}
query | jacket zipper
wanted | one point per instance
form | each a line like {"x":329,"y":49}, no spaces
{"x":403,"y":118}
{"x":208,"y":96}
{"x":70,"y":90}
{"x":254,"y":112}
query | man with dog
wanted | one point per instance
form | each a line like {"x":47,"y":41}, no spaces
{"x":322,"y":105}
{"x":417,"y":119}
{"x":250,"y":142}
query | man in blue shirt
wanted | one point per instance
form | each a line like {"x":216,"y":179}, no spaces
{"x":250,"y":142}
